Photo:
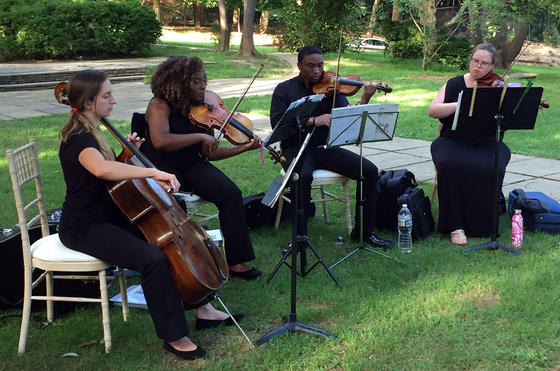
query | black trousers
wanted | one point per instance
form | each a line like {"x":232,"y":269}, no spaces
{"x":210,"y":183}
{"x":343,"y":162}
{"x":120,"y":242}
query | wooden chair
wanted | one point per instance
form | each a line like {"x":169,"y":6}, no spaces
{"x":48,"y":253}
{"x":321,"y":178}
{"x":193,"y":203}
{"x":434,"y":188}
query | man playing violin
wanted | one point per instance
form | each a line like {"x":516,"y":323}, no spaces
{"x":339,"y":160}
{"x":464,"y":163}
{"x":175,"y":144}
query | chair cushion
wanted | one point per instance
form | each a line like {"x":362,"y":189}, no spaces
{"x":321,"y":173}
{"x":51,"y":249}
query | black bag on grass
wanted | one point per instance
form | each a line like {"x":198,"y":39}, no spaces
{"x":419,"y":205}
{"x":391,"y":185}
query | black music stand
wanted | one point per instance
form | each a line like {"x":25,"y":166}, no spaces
{"x":492,"y":112}
{"x":357,"y":125}
{"x":299,"y":111}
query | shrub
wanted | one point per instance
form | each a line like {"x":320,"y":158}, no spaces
{"x":453,"y":51}
{"x":66,"y":29}
{"x":405,"y":41}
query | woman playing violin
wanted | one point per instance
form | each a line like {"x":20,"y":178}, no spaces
{"x":465,"y":163}
{"x":339,"y":160}
{"x":92,"y":223}
{"x":175,"y":144}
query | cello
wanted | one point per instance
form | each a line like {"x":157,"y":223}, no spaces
{"x":197,"y":266}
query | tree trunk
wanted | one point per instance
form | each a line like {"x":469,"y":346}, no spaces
{"x":475,"y":31}
{"x":196,"y":17}
{"x":235,"y":21}
{"x":428,"y":21}
{"x":247,"y":48}
{"x":395,"y":16}
{"x":157,"y":9}
{"x":225,"y":31}
{"x":373,"y":17}
{"x":263,"y":21}
{"x":508,"y":50}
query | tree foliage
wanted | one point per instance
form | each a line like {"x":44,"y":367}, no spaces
{"x":319,"y":22}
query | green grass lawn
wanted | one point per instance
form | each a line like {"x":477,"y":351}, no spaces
{"x":438,"y":309}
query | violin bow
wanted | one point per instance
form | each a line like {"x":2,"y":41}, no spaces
{"x":232,"y":112}
{"x":516,"y":58}
{"x":337,"y":67}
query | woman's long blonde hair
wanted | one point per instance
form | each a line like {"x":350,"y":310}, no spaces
{"x":84,"y":87}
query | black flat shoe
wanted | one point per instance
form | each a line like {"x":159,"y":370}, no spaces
{"x":203,"y":324}
{"x":375,"y":241}
{"x":372,"y":240}
{"x":250,"y":274}
{"x":190,"y":355}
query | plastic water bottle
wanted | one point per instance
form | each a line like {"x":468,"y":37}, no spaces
{"x":517,"y":229}
{"x":405,"y":229}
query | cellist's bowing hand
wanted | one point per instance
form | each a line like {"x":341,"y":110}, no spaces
{"x":369,"y":90}
{"x":135,"y":140}
{"x":168,"y":181}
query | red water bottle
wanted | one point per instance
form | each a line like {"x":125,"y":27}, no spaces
{"x":517,"y":229}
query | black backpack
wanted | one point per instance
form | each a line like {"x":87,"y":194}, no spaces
{"x":419,"y":205}
{"x":391,"y":184}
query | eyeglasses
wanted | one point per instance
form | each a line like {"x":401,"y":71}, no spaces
{"x":481,"y":63}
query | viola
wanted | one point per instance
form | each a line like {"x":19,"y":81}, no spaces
{"x":212,"y":114}
{"x":347,"y":86}
{"x":490,"y":80}
{"x":197,"y":266}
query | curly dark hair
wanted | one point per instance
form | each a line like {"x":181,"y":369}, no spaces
{"x":172,"y":78}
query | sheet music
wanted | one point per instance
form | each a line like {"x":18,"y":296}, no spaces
{"x":454,"y":126}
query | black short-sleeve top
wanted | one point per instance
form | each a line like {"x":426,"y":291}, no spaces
{"x":180,"y":160}
{"x":87,"y":200}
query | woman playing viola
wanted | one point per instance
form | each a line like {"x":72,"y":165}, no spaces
{"x":465,"y":163}
{"x":92,"y":223}
{"x":175,"y":144}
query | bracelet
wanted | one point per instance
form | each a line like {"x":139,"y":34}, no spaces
{"x":313,"y":121}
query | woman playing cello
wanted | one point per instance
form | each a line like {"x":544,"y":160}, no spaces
{"x":91,"y":222}
{"x":175,"y":144}
{"x":464,"y":163}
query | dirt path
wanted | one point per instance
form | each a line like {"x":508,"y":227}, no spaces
{"x":540,"y":54}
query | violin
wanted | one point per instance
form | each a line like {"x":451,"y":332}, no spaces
{"x":347,"y":86}
{"x":197,"y":266}
{"x":493,"y":80}
{"x":212,"y":114}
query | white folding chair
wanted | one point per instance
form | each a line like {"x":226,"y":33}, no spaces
{"x":49,"y":254}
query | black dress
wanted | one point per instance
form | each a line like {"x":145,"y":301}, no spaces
{"x":466,"y":177}
{"x":207,"y":181}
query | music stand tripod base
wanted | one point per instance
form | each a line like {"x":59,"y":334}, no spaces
{"x":493,"y":245}
{"x":292,"y":325}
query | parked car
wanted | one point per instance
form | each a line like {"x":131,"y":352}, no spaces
{"x":368,"y":43}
